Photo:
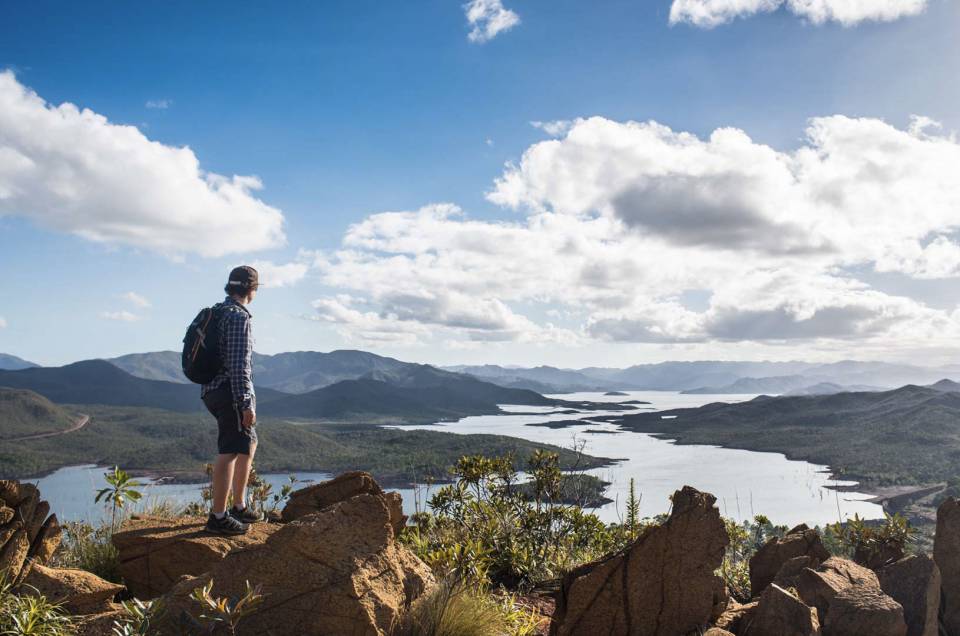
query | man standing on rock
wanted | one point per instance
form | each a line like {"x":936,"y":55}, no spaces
{"x":231,"y":399}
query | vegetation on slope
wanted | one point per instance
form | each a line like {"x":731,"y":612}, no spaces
{"x":178,"y":444}
{"x":24,"y":412}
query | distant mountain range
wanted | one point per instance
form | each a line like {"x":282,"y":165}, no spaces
{"x":12,"y":363}
{"x":407,"y":392}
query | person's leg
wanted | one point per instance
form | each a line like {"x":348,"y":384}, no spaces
{"x":223,"y":475}
{"x":241,"y":473}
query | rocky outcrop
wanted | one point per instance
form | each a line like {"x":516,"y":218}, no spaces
{"x":155,"y":553}
{"x":849,"y":600}
{"x":801,"y":541}
{"x":337,"y":571}
{"x":28,"y":534}
{"x":781,"y":613}
{"x":101,"y":623}
{"x":661,"y":585}
{"x":78,"y":591}
{"x":946,"y":553}
{"x":914,"y":582}
{"x":736,"y":617}
{"x":327,"y":493}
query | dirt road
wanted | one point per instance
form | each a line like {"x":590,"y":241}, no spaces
{"x":77,"y":425}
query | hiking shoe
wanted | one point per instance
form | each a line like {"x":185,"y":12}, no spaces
{"x":227,"y":525}
{"x":247,"y":515}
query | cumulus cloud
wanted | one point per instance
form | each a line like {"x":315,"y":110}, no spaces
{"x":159,"y":104}
{"x":487,"y":19}
{"x":711,"y":13}
{"x":281,"y":275}
{"x":137,"y":300}
{"x":554,"y":128}
{"x":122,"y":316}
{"x":3,"y":322}
{"x":71,"y":170}
{"x":623,"y":220}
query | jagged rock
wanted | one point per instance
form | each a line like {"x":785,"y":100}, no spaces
{"x":40,"y":512}
{"x":338,"y":571}
{"x":946,"y":553}
{"x":47,"y":541}
{"x":849,"y":600}
{"x":780,"y":613}
{"x":14,"y":552}
{"x":914,"y":582}
{"x":736,"y":616}
{"x":661,"y":585}
{"x":317,"y":497}
{"x":766,"y":563}
{"x":6,"y":514}
{"x":717,"y":631}
{"x":790,"y":571}
{"x":79,"y":591}
{"x":155,"y":553}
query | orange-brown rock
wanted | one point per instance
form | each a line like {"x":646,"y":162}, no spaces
{"x":78,"y":591}
{"x":23,"y":515}
{"x":154,"y":553}
{"x":914,"y":582}
{"x":337,"y":571}
{"x":946,"y":553}
{"x":319,"y":496}
{"x":47,"y":541}
{"x":717,"y":631}
{"x":661,"y":585}
{"x":736,"y":616}
{"x":766,"y":563}
{"x":14,"y":552}
{"x":780,"y":613}
{"x":101,"y":623}
{"x":849,"y":600}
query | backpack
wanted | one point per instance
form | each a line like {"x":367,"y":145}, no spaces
{"x":201,"y":346}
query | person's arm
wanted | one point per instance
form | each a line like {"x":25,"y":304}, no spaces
{"x":239,"y":358}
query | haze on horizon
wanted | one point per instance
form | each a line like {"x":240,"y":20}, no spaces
{"x":683,"y":180}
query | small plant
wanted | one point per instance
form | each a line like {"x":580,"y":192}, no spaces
{"x":871,"y":545}
{"x":140,"y":615}
{"x":85,"y":547}
{"x":30,"y":614}
{"x":633,"y":513}
{"x":453,"y":609}
{"x":284,"y":495}
{"x":121,"y":488}
{"x":222,"y":614}
{"x":745,"y":539}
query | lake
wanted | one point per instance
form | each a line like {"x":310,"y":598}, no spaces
{"x":745,"y":482}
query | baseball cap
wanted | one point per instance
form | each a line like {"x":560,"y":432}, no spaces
{"x":243,"y":277}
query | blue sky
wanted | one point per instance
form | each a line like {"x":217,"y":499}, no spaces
{"x":346,"y":110}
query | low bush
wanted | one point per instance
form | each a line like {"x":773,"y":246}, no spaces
{"x":30,"y":614}
{"x":86,"y":547}
{"x":457,"y":609}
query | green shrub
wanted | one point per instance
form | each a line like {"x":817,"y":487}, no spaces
{"x":30,"y":614}
{"x":457,"y":609}
{"x":869,"y":543}
{"x":745,"y":539}
{"x":89,"y":548}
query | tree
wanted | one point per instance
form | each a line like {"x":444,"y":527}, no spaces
{"x":120,"y":489}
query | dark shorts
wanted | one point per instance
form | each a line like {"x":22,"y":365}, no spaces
{"x":232,"y":438}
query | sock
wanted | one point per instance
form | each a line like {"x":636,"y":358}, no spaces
{"x":219,"y":515}
{"x":240,"y":507}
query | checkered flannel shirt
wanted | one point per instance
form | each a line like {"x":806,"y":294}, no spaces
{"x":236,"y":351}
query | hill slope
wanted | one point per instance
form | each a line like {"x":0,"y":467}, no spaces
{"x":908,"y":435}
{"x":24,"y":412}
{"x":12,"y":363}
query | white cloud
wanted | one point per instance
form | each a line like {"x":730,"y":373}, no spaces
{"x":711,"y":13}
{"x":71,"y":170}
{"x":122,"y":316}
{"x":488,"y":18}
{"x":622,"y":219}
{"x":137,"y":300}
{"x":3,"y":322}
{"x":159,"y":104}
{"x":281,"y":275}
{"x":555,"y":128}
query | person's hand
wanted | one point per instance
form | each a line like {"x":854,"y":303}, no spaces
{"x":249,"y":419}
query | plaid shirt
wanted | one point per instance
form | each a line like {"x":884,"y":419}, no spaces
{"x":236,"y":351}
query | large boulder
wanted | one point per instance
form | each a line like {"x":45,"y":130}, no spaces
{"x":338,"y":571}
{"x":914,"y":582}
{"x":27,"y":533}
{"x":736,"y":616}
{"x":946,"y":553}
{"x":849,"y":600}
{"x":315,"y":498}
{"x":661,"y":585}
{"x":78,"y":591}
{"x":801,"y":541}
{"x":155,"y":553}
{"x":781,"y":613}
